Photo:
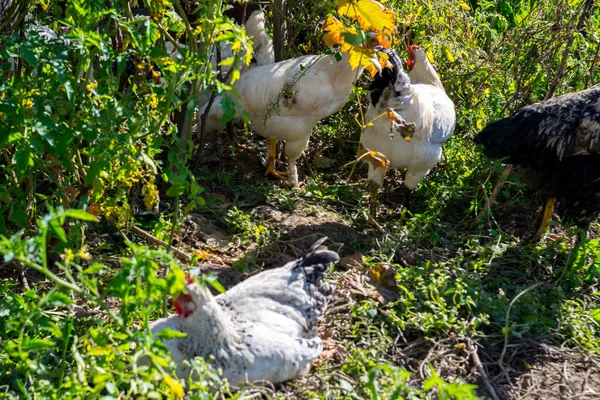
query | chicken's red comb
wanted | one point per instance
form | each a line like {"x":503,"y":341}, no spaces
{"x":414,"y":47}
{"x":190,"y":278}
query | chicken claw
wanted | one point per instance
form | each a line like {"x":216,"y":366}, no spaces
{"x":277,"y":174}
{"x":271,"y":162}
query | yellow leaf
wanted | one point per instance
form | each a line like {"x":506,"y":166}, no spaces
{"x":333,"y":30}
{"x":100,"y":351}
{"x":333,"y":33}
{"x":430,"y":56}
{"x":235,"y":75}
{"x":202,"y":255}
{"x":370,"y":14}
{"x":227,"y":62}
{"x":362,"y":56}
{"x":375,"y":158}
{"x":479,"y":124}
{"x":448,"y":54}
{"x":464,"y":6}
{"x":384,"y":39}
{"x":175,"y":386}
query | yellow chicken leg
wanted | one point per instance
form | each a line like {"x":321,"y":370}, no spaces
{"x":271,"y":161}
{"x":546,"y":215}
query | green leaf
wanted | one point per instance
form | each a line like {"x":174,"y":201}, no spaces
{"x":352,"y":38}
{"x":212,"y":280}
{"x":81,"y":215}
{"x":58,"y":230}
{"x":177,"y":189}
{"x":59,"y":299}
{"x":24,"y":158}
{"x":229,"y":109}
{"x":595,"y":314}
{"x":36,"y":344}
{"x":169,"y":333}
{"x":150,"y":33}
{"x":29,"y":56}
{"x":18,"y":215}
{"x":93,"y":269}
{"x":8,"y":139}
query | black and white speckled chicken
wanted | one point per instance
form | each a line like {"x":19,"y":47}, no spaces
{"x":556,"y":145}
{"x":261,"y":329}
{"x":419,"y":99}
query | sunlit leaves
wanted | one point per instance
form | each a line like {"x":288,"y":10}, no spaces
{"x":349,"y":40}
{"x":371,"y":15}
{"x":448,"y":53}
{"x":464,"y":6}
{"x":175,"y":386}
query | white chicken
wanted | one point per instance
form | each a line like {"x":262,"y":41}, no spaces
{"x":285,"y":100}
{"x":261,"y":329}
{"x":263,"y":51}
{"x":422,"y":102}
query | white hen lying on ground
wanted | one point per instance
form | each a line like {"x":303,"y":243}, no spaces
{"x":261,"y":329}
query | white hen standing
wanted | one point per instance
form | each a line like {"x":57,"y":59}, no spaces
{"x":261,"y":329}
{"x":423,"y":102}
{"x":285,"y":100}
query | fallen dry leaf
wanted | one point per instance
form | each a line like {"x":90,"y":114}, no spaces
{"x":356,"y":260}
{"x":375,"y":158}
{"x":331,"y":350}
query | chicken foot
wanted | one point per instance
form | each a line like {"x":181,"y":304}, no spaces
{"x":271,"y":161}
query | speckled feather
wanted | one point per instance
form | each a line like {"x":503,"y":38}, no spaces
{"x":263,"y":328}
{"x":556,"y":144}
{"x":554,"y":129}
